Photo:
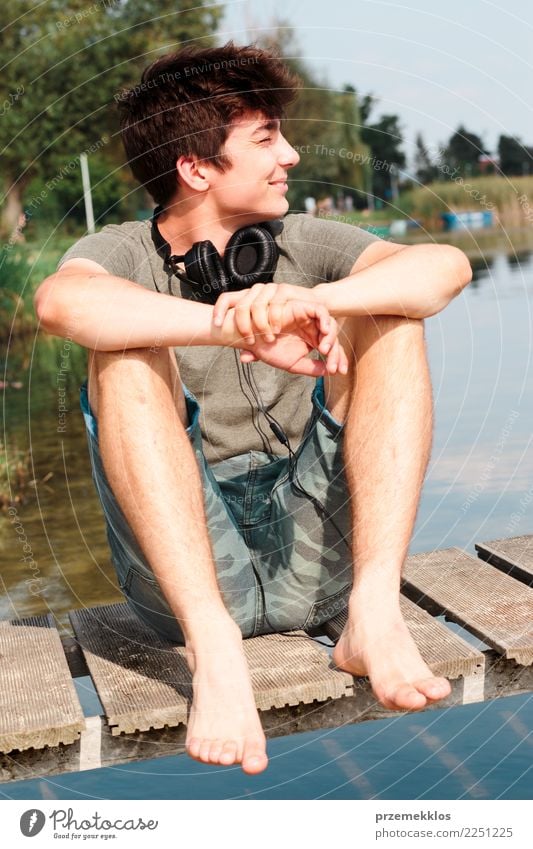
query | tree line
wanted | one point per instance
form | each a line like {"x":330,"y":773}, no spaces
{"x":65,"y":61}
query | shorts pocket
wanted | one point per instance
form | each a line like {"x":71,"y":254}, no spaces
{"x":325,"y":609}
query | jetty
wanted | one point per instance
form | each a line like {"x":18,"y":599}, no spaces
{"x":471,"y":617}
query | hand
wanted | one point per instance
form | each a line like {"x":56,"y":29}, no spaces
{"x":288,"y":352}
{"x":260,"y":308}
{"x":300,"y":335}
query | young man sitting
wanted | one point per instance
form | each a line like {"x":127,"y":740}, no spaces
{"x":265,"y":490}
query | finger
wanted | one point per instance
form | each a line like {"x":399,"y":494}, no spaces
{"x":344,"y":363}
{"x":317,"y":316}
{"x":303,"y":315}
{"x":338,"y":356}
{"x":326,"y":325}
{"x":248,"y":357}
{"x":310,"y":337}
{"x":329,"y":337}
{"x":278,"y":305}
{"x":246,"y":311}
{"x":276,"y":315}
{"x":311,"y":368}
{"x":260,"y":317}
{"x":324,"y":319}
{"x":243,"y":319}
{"x":261,"y":311}
{"x":332,"y":361}
{"x":224,"y":303}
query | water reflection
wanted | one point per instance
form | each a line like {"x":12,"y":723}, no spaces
{"x":480,"y":266}
{"x":481,"y":465}
{"x":61,"y":516}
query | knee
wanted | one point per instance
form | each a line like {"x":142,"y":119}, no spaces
{"x":144,"y":363}
{"x":380,"y":323}
{"x":137,"y":373}
{"x":359,"y":332}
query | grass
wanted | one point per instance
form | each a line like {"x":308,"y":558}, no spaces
{"x":15,"y":476}
{"x":476,"y":193}
{"x":426,"y":203}
{"x":22,"y":268}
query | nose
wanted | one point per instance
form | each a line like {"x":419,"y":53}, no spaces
{"x":288,"y":156}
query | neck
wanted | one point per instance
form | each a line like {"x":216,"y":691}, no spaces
{"x":181,"y":225}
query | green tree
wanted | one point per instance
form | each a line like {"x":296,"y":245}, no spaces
{"x":366,"y":105}
{"x":515,"y":158}
{"x":463,"y":151}
{"x":425,"y":169}
{"x":64,"y":61}
{"x":325,"y":127}
{"x":385,"y":139}
{"x":354,"y":165}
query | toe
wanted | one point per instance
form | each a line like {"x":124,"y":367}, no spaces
{"x":228,"y":754}
{"x":193,"y":747}
{"x":215,"y":751}
{"x":406,"y":697}
{"x":254,"y":758}
{"x":205,"y":748}
{"x":434,"y":688}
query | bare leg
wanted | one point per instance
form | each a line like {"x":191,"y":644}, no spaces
{"x":151,"y":467}
{"x":385,"y":401}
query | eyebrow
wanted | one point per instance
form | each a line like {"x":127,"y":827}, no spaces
{"x":272,"y":124}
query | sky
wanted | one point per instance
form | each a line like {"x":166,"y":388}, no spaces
{"x":435,"y":64}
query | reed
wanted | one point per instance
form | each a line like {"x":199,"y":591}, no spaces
{"x":510,"y":199}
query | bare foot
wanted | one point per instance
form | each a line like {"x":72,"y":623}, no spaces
{"x":224,"y":726}
{"x":379,"y":645}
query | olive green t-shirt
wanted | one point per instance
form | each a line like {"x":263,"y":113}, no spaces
{"x":312,"y":251}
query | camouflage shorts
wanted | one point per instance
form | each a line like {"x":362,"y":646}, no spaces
{"x":280,"y":565}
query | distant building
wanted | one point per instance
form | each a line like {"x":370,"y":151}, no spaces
{"x":488,"y":164}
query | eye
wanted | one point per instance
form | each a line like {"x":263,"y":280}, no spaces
{"x":268,"y":138}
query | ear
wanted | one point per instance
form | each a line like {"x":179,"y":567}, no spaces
{"x":193,"y":172}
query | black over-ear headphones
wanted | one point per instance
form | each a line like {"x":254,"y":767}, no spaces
{"x":250,"y":257}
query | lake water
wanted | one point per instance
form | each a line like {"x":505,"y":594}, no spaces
{"x":479,"y":487}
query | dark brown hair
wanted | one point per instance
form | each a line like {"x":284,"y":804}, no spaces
{"x":185,"y":105}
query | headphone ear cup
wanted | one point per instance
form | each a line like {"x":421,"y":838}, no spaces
{"x":250,"y":257}
{"x":204,"y":267}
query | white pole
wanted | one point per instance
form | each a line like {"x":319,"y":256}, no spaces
{"x":87,"y":197}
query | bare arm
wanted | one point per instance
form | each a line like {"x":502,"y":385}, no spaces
{"x":414,"y":281}
{"x":410,"y":281}
{"x":85,"y":303}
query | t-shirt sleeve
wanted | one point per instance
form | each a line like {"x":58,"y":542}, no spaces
{"x":112,"y":248}
{"x":329,"y":248}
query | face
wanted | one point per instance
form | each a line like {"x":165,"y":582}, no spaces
{"x":253,"y":188}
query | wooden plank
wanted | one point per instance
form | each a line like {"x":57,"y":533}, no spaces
{"x":38,"y":701}
{"x":144,"y":682}
{"x":513,"y":556}
{"x":489,"y":604}
{"x":291,"y":669}
{"x":444,"y":652}
{"x":100,"y":748}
